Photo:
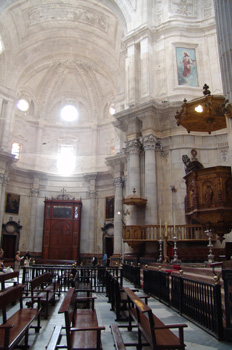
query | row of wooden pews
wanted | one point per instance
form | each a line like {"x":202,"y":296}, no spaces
{"x":21,"y":307}
{"x":151,"y":331}
{"x":81,"y":328}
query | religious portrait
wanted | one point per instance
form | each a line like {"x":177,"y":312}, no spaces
{"x":186,"y":67}
{"x":12,"y":203}
{"x":109,"y":208}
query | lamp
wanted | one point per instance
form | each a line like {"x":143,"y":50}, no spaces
{"x":205,"y":114}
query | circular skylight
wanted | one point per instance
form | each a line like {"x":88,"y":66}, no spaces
{"x":23,"y":105}
{"x":69,"y":113}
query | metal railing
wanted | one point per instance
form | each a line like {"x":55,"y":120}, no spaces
{"x":200,"y":302}
{"x":132,"y":274}
{"x":65,"y":275}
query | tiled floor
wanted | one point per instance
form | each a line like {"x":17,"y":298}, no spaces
{"x":195,"y":337}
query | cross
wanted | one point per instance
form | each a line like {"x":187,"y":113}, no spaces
{"x":63,"y":190}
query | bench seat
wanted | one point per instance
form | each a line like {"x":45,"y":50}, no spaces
{"x":16,"y":327}
{"x":44,"y":288}
{"x":158,"y":335}
{"x":8,"y":277}
{"x":81,"y":335}
{"x":81,"y":325}
{"x":17,"y":324}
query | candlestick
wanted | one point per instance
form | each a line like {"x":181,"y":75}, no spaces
{"x":161,"y":251}
{"x":166,"y":230}
{"x":174,"y":222}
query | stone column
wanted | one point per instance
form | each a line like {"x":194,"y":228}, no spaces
{"x":133,"y":149}
{"x":223,"y":15}
{"x":149,"y":144}
{"x":133,"y":174}
{"x":3,"y":182}
{"x":92,"y":214}
{"x":118,"y":208}
{"x":92,"y":222}
{"x":32,"y":233}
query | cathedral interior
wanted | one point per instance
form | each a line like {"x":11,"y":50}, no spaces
{"x":99,"y":152}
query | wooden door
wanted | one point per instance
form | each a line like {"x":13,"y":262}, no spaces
{"x":9,"y":245}
{"x":109,"y":246}
{"x":61,"y":238}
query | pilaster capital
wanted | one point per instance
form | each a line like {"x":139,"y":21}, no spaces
{"x":118,"y":181}
{"x":149,"y":142}
{"x":34,"y":191}
{"x":133,"y":146}
{"x":93,"y":194}
{"x":4,"y":179}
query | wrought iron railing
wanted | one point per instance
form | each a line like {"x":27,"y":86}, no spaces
{"x":200,"y":302}
{"x":66,"y":275}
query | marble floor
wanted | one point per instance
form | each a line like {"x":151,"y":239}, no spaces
{"x":195,"y":337}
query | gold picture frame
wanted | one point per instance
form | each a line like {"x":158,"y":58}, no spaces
{"x":12,"y":203}
{"x":109,"y":208}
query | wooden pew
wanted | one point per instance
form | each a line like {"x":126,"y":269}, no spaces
{"x":81,"y":325}
{"x":119,"y":300}
{"x":157,"y":334}
{"x":16,"y":327}
{"x":6,"y":277}
{"x":43,"y":287}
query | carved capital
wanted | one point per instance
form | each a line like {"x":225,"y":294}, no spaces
{"x":4,"y":179}
{"x":133,"y":146}
{"x":34,"y":191}
{"x":93,"y":194}
{"x":149,"y":142}
{"x":118,"y":181}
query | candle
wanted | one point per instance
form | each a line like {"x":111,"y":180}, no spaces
{"x":160,"y":229}
{"x":166,"y":230}
{"x":173,"y":222}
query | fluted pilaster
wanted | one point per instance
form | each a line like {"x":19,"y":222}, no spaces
{"x":33,"y":218}
{"x":149,"y":145}
{"x":118,"y":210}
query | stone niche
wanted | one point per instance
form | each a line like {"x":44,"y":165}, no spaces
{"x":209,"y":198}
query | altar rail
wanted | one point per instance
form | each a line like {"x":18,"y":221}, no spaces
{"x":149,"y":233}
{"x":200,"y":302}
{"x":66,"y":274}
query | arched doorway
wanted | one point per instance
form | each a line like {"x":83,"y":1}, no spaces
{"x":108,"y":239}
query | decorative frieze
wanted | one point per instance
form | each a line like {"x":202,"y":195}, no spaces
{"x":183,"y":7}
{"x":47,"y":13}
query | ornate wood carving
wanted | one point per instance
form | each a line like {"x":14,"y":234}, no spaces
{"x":209,"y":198}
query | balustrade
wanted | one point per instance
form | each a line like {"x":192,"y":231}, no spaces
{"x":143,"y":233}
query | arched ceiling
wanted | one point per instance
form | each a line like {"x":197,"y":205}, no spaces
{"x":62,"y":50}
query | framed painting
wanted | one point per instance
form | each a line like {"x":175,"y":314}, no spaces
{"x":109,"y":208}
{"x":186,"y":67}
{"x":12,"y":203}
